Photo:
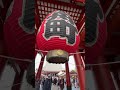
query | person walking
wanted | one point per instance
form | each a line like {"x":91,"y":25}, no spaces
{"x":54,"y":81}
{"x":58,"y":83}
{"x":47,"y":84}
{"x":37,"y":84}
{"x":42,"y":83}
{"x":61,"y":83}
{"x":77,"y":83}
{"x":74,"y":82}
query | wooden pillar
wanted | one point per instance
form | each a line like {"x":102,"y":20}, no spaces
{"x":18,"y":80}
{"x":80,"y":71}
{"x":116,"y":70}
{"x":103,"y":76}
{"x":116,"y":77}
{"x":2,"y":52}
{"x":2,"y":65}
{"x":68,"y":82}
{"x":38,"y":75}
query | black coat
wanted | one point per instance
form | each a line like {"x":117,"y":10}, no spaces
{"x":47,"y":84}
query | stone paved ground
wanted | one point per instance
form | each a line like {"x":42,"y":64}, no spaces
{"x":57,"y":88}
{"x":73,"y":88}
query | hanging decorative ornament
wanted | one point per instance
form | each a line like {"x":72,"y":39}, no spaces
{"x":96,"y":30}
{"x":59,"y":36}
{"x":19,"y":32}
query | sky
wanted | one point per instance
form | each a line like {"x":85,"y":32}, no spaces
{"x":71,"y":62}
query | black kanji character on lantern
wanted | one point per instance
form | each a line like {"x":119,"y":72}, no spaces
{"x":61,"y":15}
{"x":93,"y":14}
{"x":59,"y":24}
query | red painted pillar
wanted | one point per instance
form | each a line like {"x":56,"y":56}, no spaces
{"x":68,"y":77}
{"x":103,"y":77}
{"x":18,"y":80}
{"x":80,"y":71}
{"x":40,"y":68}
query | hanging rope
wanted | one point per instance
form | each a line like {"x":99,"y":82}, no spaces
{"x":13,"y":58}
{"x":28,"y":60}
{"x":40,"y":50}
{"x":97,"y":64}
{"x":107,"y":63}
{"x":48,"y":51}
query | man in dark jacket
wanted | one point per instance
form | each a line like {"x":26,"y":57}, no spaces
{"x":37,"y":84}
{"x":47,"y":84}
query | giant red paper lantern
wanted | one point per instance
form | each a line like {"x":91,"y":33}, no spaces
{"x":58,"y":31}
{"x":96,"y":30}
{"x":19,"y":31}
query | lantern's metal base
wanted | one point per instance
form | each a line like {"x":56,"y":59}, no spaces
{"x":57,"y":56}
{"x":57,"y":60}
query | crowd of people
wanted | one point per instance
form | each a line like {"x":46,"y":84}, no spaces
{"x":49,"y":82}
{"x":75,"y":82}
